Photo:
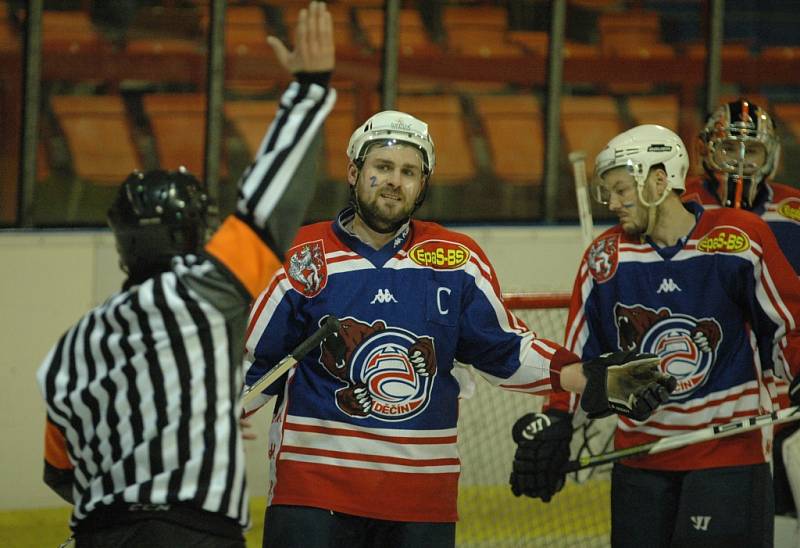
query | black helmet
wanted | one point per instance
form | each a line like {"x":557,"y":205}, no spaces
{"x":156,"y":216}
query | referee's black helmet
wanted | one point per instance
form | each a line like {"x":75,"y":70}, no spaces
{"x":157,"y":215}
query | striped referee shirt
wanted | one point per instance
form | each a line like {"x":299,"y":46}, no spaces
{"x":143,"y":393}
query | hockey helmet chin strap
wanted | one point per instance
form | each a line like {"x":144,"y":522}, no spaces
{"x":652,"y":207}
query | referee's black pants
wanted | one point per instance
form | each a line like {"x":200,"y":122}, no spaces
{"x":125,"y":526}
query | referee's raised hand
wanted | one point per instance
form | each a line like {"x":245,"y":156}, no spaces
{"x":313,"y":42}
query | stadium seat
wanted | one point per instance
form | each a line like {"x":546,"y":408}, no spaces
{"x":478,"y":30}
{"x":250,"y":119}
{"x":69,"y":31}
{"x":733,"y":52}
{"x":98,"y":136}
{"x":245,"y":29}
{"x":178,"y":122}
{"x":515,"y":131}
{"x":588,"y":123}
{"x":632,"y":33}
{"x":455,"y":162}
{"x":532,"y":40}
{"x":663,"y":110}
{"x":336,"y":134}
{"x":413,"y":36}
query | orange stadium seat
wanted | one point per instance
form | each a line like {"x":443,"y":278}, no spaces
{"x":629,"y":32}
{"x":69,"y":30}
{"x":479,"y":30}
{"x":663,"y":110}
{"x":98,"y":136}
{"x":455,"y":162}
{"x":588,"y":123}
{"x":251,"y":119}
{"x":178,"y":122}
{"x":413,"y":36}
{"x":515,"y":130}
{"x":245,"y":29}
{"x":336,"y":134}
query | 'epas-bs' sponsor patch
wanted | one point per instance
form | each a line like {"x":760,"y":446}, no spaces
{"x":724,"y":239}
{"x":790,"y":208}
{"x":603,"y":258}
{"x":439,"y":254}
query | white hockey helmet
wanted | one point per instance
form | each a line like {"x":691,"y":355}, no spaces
{"x":392,"y":127}
{"x":639,"y":149}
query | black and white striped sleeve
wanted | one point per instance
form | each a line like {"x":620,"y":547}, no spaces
{"x":269,"y":188}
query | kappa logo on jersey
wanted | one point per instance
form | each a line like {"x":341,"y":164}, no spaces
{"x":701,"y":522}
{"x":388,"y":372}
{"x":790,"y":208}
{"x":667,"y":286}
{"x":439,"y":254}
{"x":603,"y":258}
{"x":383,"y":296}
{"x":687,"y":346}
{"x":307,"y":270}
{"x":724,"y":239}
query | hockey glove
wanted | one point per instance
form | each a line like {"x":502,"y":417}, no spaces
{"x":542,"y":451}
{"x":625,"y":383}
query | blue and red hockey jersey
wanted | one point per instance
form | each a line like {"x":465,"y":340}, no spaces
{"x":366,"y":424}
{"x":722,"y":310}
{"x":777,"y":204}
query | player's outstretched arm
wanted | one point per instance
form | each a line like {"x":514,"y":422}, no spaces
{"x":626,"y":383}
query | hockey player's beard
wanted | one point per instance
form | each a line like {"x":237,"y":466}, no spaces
{"x":381,"y":219}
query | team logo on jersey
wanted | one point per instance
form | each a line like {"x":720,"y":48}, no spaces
{"x":686,"y":345}
{"x":724,"y":239}
{"x":307,"y":270}
{"x":388,"y":372}
{"x":603,"y":258}
{"x":439,"y":254}
{"x":790,"y":208}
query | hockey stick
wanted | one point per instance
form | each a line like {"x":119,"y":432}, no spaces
{"x":578,"y":161}
{"x":329,"y":326}
{"x":682,"y":440}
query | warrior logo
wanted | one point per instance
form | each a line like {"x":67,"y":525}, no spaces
{"x":687,"y":346}
{"x":307,"y":270}
{"x":603,"y":257}
{"x":388,"y":371}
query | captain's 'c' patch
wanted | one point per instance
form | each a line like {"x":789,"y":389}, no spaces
{"x":439,"y":254}
{"x":724,"y":239}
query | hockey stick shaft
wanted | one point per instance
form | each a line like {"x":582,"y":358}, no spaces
{"x":578,"y":161}
{"x":329,"y":326}
{"x":682,"y":440}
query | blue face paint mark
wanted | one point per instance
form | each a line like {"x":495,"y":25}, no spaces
{"x":373,"y":181}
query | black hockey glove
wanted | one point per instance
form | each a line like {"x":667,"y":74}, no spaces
{"x":625,"y":383}
{"x":542,"y":451}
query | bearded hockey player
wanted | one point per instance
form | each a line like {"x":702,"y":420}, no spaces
{"x":363,"y":439}
{"x":710,"y":293}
